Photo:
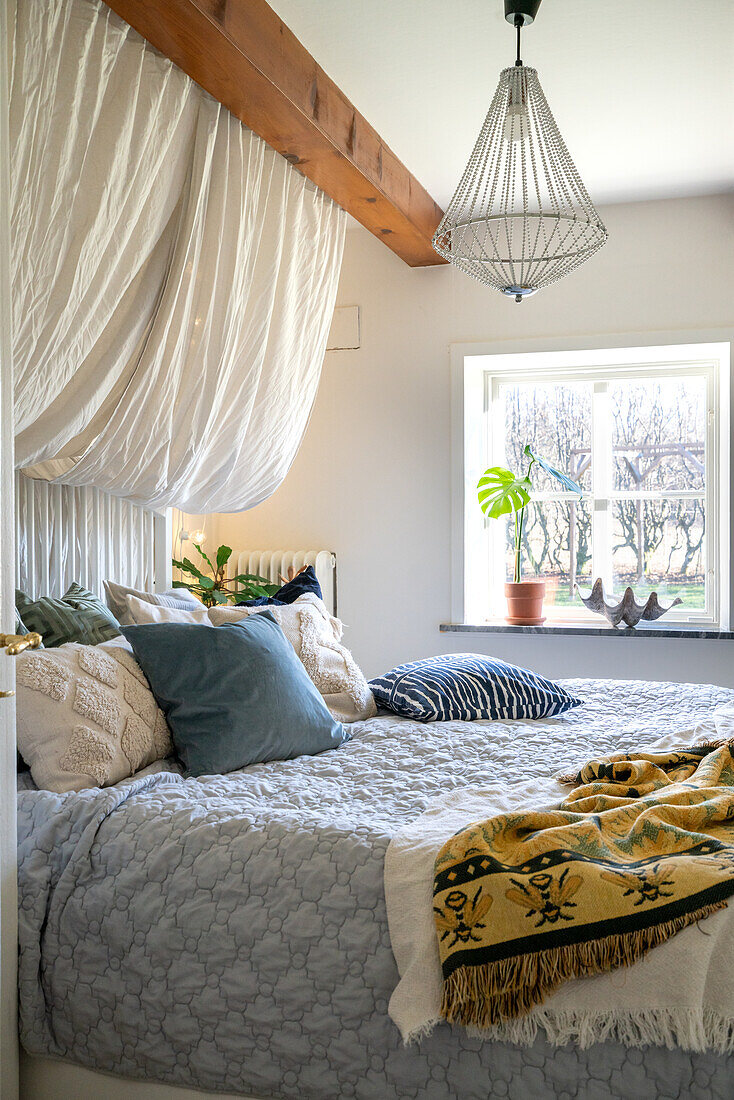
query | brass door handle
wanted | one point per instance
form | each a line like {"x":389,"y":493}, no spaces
{"x":16,"y":643}
{"x":6,"y":694}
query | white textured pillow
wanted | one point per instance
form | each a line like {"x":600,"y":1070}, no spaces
{"x":86,"y":716}
{"x":140,"y":612}
{"x":316,"y":637}
{"x":116,"y":597}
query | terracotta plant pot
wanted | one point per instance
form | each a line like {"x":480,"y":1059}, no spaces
{"x":525,"y":603}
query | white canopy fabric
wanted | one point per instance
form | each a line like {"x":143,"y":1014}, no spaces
{"x":173,"y":277}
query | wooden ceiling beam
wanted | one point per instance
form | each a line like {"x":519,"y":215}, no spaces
{"x":243,"y":54}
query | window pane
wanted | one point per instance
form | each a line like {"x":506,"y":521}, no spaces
{"x":555,"y":419}
{"x":547,"y":549}
{"x":659,"y":432}
{"x":671,"y":563}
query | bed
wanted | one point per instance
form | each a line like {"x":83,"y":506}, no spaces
{"x":229,"y":933}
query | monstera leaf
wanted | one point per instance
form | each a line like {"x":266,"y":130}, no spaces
{"x":568,"y":483}
{"x":501,"y":492}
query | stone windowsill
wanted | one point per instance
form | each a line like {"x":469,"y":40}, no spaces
{"x":603,"y":630}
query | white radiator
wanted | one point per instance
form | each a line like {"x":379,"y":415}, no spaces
{"x":274,"y":564}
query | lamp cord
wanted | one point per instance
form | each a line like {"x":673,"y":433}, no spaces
{"x":518,"y":27}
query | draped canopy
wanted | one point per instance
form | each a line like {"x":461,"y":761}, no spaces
{"x":173,"y":277}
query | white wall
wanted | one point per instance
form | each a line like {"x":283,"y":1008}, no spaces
{"x":371,"y":480}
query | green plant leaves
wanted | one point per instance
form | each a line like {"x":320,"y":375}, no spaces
{"x":204,"y":556}
{"x":191,"y":568}
{"x":214,"y":589}
{"x":568,"y":483}
{"x":253,"y":586}
{"x":501,"y":492}
{"x":185,"y":566}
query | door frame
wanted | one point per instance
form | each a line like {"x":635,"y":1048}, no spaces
{"x":8,"y":769}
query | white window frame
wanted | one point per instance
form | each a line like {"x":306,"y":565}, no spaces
{"x":478,"y":441}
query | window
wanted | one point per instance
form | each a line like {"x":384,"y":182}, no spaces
{"x":640,"y":430}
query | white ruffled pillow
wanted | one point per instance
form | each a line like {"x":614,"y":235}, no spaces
{"x":316,"y":637}
{"x":116,"y":597}
{"x":141,"y":612}
{"x":86,"y":716}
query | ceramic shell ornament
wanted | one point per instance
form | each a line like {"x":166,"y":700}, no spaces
{"x":627,"y":610}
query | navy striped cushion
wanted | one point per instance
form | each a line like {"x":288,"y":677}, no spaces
{"x":467,"y":686}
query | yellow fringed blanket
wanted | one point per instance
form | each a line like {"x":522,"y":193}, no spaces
{"x":642,"y":847}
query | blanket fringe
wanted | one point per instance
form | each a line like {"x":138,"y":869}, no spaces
{"x":492,"y":993}
{"x":685,"y":1028}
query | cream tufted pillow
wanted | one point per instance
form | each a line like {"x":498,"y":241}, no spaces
{"x":86,"y":716}
{"x":316,"y":637}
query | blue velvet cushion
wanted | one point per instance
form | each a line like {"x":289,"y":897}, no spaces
{"x":289,"y":593}
{"x":468,"y":686}
{"x":233,"y":695}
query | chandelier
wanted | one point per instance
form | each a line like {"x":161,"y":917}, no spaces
{"x":520,"y":218}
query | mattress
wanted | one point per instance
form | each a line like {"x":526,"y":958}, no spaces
{"x":229,"y":933}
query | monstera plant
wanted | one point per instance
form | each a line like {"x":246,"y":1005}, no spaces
{"x":502,"y":493}
{"x":217,"y":588}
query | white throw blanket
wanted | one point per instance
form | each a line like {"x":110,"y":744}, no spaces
{"x":662,"y":1000}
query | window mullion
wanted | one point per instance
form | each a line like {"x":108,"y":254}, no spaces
{"x":496,"y":533}
{"x":602,"y":473}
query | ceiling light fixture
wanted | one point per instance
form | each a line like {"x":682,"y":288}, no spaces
{"x":520,"y":218}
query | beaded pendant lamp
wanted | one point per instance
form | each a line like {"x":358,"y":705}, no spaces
{"x":521,"y":217}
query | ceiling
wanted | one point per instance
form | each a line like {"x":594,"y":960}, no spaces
{"x":642,"y":90}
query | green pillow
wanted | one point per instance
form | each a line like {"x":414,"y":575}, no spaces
{"x":21,"y":628}
{"x":79,"y":616}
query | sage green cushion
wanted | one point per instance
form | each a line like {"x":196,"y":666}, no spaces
{"x":79,"y":616}
{"x":21,"y":628}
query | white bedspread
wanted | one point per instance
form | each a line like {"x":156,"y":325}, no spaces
{"x":661,"y":1000}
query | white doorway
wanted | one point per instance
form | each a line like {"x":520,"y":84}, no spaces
{"x":8,"y":843}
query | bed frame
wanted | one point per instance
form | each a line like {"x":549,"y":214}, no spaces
{"x":54,"y":1079}
{"x":66,"y":533}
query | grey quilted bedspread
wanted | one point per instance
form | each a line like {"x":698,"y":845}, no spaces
{"x":229,"y":933}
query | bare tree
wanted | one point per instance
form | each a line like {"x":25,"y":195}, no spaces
{"x":657,"y":432}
